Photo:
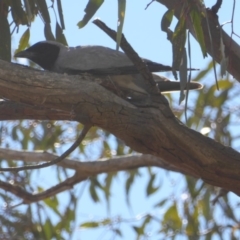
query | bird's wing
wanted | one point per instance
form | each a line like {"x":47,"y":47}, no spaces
{"x":123,"y":70}
{"x":90,"y":57}
{"x":99,"y":60}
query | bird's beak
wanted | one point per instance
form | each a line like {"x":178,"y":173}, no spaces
{"x":24,"y":54}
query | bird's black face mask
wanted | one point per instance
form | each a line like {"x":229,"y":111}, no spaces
{"x":44,"y":55}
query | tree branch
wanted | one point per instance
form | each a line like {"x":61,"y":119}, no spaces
{"x":151,"y":129}
{"x":30,"y":198}
{"x":17,"y":111}
{"x":92,"y":168}
{"x":57,"y":159}
{"x":83,"y":170}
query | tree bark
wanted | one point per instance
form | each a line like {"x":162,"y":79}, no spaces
{"x":149,"y":127}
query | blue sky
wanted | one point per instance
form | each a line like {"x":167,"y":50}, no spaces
{"x":142,"y":30}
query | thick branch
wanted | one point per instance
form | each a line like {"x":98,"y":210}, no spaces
{"x":84,"y":170}
{"x":17,"y":111}
{"x":152,"y":129}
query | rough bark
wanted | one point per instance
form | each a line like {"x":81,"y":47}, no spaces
{"x":150,"y":128}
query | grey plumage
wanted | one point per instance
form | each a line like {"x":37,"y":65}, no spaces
{"x":98,"y":60}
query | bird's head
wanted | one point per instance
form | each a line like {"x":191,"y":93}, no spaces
{"x":43,"y":53}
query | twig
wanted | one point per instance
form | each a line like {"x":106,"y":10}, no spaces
{"x":149,"y":4}
{"x":56,"y":160}
{"x":30,"y":198}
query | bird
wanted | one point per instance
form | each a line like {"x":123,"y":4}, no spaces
{"x":101,"y":61}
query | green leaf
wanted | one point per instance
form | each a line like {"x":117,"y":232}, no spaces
{"x":130,"y":180}
{"x":220,"y":98}
{"x":53,"y":204}
{"x":24,"y":41}
{"x":94,"y":183}
{"x":161,"y":203}
{"x":197,"y":25}
{"x":60,"y":37}
{"x":18,"y":14}
{"x":47,"y":228}
{"x":48,"y":32}
{"x":60,"y":13}
{"x":29,"y":12}
{"x":43,"y":9}
{"x":191,"y":184}
{"x":90,"y":10}
{"x":172,"y":219}
{"x":90,"y":225}
{"x":178,"y":44}
{"x":118,"y":232}
{"x":95,"y":224}
{"x":192,"y":221}
{"x":107,"y":187}
{"x":139,"y":230}
{"x":121,"y":16}
{"x":150,"y":188}
{"x":93,"y":193}
{"x":183,"y":75}
{"x":107,"y":149}
{"x":203,"y":73}
{"x":167,"y":20}
{"x":205,"y":205}
{"x":68,"y":218}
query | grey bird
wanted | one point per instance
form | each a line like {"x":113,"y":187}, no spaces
{"x":98,"y":60}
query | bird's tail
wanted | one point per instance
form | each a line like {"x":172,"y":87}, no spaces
{"x":169,"y":86}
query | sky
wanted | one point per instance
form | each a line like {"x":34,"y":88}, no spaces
{"x":142,"y":30}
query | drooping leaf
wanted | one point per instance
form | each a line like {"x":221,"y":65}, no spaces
{"x":24,"y":41}
{"x":48,"y":32}
{"x":178,"y":44}
{"x":94,"y":224}
{"x":18,"y":14}
{"x":129,"y":182}
{"x":107,"y":188}
{"x":172,"y":219}
{"x":93,"y":189}
{"x":29,"y":12}
{"x":183,"y":75}
{"x":47,"y":228}
{"x":60,"y":13}
{"x":161,"y":203}
{"x":196,"y":20}
{"x":90,"y":10}
{"x":43,"y":9}
{"x":118,"y":232}
{"x":121,"y":16}
{"x":53,"y":204}
{"x":60,"y":37}
{"x":150,"y":188}
{"x":142,"y":229}
{"x":167,"y":20}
